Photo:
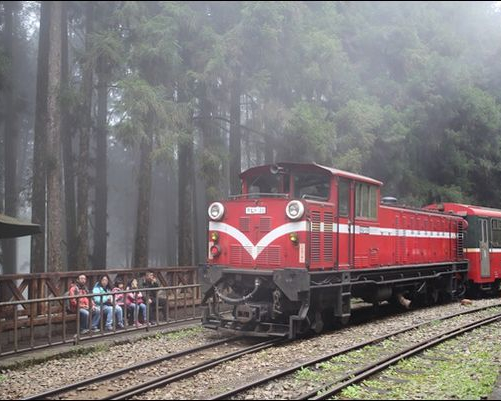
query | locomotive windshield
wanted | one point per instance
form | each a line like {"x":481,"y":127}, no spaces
{"x":268,"y":184}
{"x":311,"y":185}
{"x":307,"y":185}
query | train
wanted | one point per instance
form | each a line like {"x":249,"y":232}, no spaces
{"x":289,"y":254}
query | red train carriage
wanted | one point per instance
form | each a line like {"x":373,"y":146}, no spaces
{"x":290,"y":252}
{"x":482,"y":245}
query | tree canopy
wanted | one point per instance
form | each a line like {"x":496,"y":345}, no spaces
{"x":184,"y":95}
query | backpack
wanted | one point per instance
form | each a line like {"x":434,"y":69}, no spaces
{"x":67,"y":301}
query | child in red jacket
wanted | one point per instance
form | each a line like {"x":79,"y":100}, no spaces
{"x":135,"y":302}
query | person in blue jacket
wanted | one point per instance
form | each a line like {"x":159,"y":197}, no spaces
{"x":106,"y":303}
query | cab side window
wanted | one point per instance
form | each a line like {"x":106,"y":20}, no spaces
{"x":343,"y":191}
{"x":365,"y":200}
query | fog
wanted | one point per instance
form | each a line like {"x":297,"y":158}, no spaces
{"x":186,"y":95}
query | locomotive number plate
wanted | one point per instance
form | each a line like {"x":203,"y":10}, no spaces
{"x":255,"y":210}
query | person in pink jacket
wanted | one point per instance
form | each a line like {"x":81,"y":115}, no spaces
{"x":119,"y":298}
{"x":135,"y":302}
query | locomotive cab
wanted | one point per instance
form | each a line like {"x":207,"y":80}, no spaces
{"x":268,"y":224}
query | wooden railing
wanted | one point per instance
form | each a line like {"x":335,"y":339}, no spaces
{"x":60,"y":325}
{"x":23,"y":287}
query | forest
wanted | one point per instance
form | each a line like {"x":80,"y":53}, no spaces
{"x":120,"y":121}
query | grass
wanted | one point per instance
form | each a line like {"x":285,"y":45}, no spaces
{"x":181,"y":334}
{"x":463,"y":368}
{"x":307,"y":374}
{"x":470,"y":373}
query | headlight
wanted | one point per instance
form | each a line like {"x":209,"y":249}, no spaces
{"x":216,"y":211}
{"x":294,"y":210}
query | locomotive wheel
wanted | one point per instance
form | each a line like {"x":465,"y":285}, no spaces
{"x":376,"y":307}
{"x":340,"y":322}
{"x":317,"y":322}
{"x":460,"y":291}
{"x":432,"y":296}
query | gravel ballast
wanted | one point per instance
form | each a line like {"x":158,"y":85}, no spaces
{"x":35,"y":379}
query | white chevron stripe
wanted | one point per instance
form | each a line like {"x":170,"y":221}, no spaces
{"x":255,"y":250}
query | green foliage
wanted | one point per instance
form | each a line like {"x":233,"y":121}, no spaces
{"x":107,"y":46}
{"x":309,"y":135}
{"x":181,"y":334}
{"x":306,"y":374}
{"x":139,"y":103}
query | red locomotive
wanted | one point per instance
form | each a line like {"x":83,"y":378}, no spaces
{"x":302,"y":240}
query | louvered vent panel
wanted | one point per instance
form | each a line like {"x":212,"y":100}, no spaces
{"x":374,"y":256}
{"x":265,"y":224}
{"x":460,"y":240}
{"x":402,"y":244}
{"x":270,"y":256}
{"x":244,"y":224}
{"x":361,"y":261}
{"x":239,"y":256}
{"x":328,"y":224}
{"x":246,"y":256}
{"x":315,"y":236}
{"x":236,"y":255}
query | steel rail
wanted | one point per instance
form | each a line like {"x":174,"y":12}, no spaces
{"x":323,"y":358}
{"x":327,"y":390}
{"x":128,"y":369}
{"x":188,"y":372}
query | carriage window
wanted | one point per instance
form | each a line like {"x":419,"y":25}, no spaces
{"x":312,"y":186}
{"x":366,"y":201}
{"x":343,"y":190}
{"x":496,"y":233}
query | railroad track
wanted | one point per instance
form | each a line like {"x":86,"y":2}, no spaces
{"x":121,"y":374}
{"x":331,"y":388}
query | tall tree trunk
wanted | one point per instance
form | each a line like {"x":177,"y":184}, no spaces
{"x":9,"y":246}
{"x":68,"y":158}
{"x":235,"y":136}
{"x":207,"y":185}
{"x":185,"y":168}
{"x":171,"y":216}
{"x":39,"y":151}
{"x":185,"y":196}
{"x":185,"y":203}
{"x":100,"y":226}
{"x":211,"y":161}
{"x":141,"y":246}
{"x":84,"y":151}
{"x":54,"y":192}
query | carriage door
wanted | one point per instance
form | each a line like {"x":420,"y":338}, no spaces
{"x":485,"y":265}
